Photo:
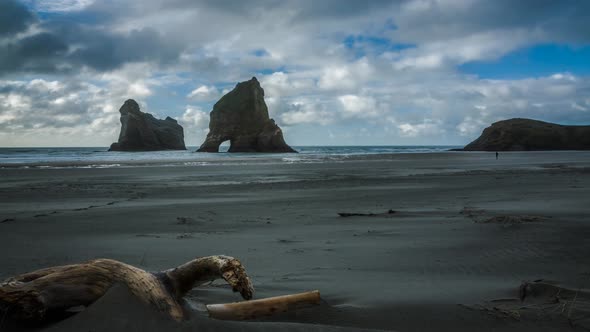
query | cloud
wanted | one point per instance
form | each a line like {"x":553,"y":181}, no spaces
{"x":195,"y":123}
{"x":39,"y":109}
{"x":14,"y":17}
{"x":204,"y":93}
{"x":431,"y":20}
{"x":471,"y":127}
{"x":104,"y":51}
{"x":306,"y":112}
{"x":401,"y":79}
{"x":61,"y":5}
{"x":131,"y":81}
{"x":426,"y":128}
{"x":483,"y":46}
{"x":280,"y":84}
{"x":58,"y":112}
{"x":195,"y":117}
{"x":64,"y":46}
{"x":346,"y":76}
{"x":36,"y":53}
{"x":358,"y":106}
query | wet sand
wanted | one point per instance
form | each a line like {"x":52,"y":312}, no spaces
{"x":466,"y":231}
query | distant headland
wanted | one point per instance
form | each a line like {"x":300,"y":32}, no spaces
{"x":530,"y":135}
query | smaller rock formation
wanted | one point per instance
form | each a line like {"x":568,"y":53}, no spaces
{"x":241,"y":116}
{"x":142,"y":132}
{"x":530,"y":135}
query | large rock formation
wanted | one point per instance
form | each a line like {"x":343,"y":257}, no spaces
{"x":241,"y":116}
{"x":528,"y":135}
{"x":142,"y":132}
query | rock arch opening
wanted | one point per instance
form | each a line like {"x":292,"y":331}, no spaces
{"x":224,"y":146}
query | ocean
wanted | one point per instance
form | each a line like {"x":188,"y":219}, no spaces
{"x":99,"y":157}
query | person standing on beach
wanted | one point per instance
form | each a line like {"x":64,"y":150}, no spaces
{"x":496,"y":155}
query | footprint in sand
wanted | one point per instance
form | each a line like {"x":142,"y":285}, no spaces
{"x":185,"y":236}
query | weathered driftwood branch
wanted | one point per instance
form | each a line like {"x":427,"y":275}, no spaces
{"x":39,"y":295}
{"x":263,"y":307}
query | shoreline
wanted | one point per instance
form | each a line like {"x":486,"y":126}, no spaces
{"x":224,"y":158}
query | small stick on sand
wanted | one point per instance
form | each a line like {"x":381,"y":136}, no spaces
{"x":263,"y":307}
{"x":348,"y":214}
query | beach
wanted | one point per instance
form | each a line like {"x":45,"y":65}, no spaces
{"x":464,"y":230}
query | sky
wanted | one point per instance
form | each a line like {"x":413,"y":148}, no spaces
{"x":335,"y":72}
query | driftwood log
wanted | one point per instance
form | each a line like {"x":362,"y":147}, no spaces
{"x":43,"y":294}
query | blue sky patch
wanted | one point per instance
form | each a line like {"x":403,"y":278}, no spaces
{"x":270,"y":71}
{"x":260,"y":52}
{"x":362,"y":45}
{"x":534,"y":61}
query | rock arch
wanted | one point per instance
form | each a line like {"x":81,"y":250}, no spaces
{"x":241,"y":117}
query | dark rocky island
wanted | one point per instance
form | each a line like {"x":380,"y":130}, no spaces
{"x":142,"y":132}
{"x":241,"y":116}
{"x":531,"y":135}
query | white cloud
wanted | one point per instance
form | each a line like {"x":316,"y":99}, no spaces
{"x":358,"y":106}
{"x":14,"y":102}
{"x":447,"y":53}
{"x":47,"y":86}
{"x":305,"y":111}
{"x":204,"y":93}
{"x":139,"y":89}
{"x":280,"y":84}
{"x":194,"y":117}
{"x":67,"y":112}
{"x":579,"y":107}
{"x":563,"y":76}
{"x":426,"y":128}
{"x":61,"y":5}
{"x":195,"y":123}
{"x":336,"y":78}
{"x":51,"y":113}
{"x":131,"y":81}
{"x":346,"y":77}
{"x":471,"y":127}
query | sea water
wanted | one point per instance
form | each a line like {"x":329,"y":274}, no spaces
{"x":90,"y":157}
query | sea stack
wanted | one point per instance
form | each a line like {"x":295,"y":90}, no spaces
{"x":142,"y":132}
{"x":241,"y":116}
{"x":531,"y":135}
